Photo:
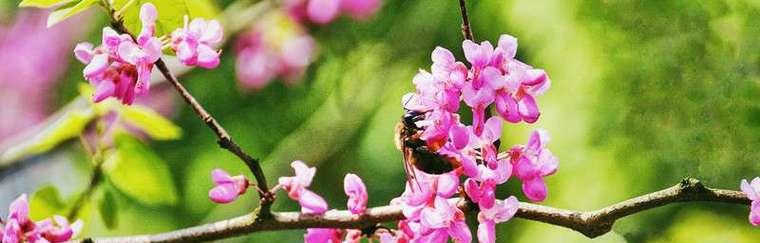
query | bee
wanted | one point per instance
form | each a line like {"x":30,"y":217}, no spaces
{"x":417,"y":154}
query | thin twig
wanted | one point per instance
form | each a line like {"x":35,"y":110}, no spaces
{"x":96,"y":156}
{"x":588,"y":223}
{"x":466,"y":29}
{"x":95,"y":180}
{"x":224,"y":139}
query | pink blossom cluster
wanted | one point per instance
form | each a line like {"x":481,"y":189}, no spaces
{"x":325,"y":11}
{"x":121,"y":66}
{"x":496,"y":78}
{"x":279,"y":46}
{"x":752,"y":189}
{"x":18,"y":227}
{"x":431,"y":211}
{"x":276,"y":46}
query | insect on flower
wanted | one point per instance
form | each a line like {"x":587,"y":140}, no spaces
{"x":417,"y":153}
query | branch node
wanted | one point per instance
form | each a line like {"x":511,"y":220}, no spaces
{"x":692,"y":185}
{"x":596,"y":230}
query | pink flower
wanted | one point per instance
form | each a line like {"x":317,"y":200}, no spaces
{"x":360,"y":9}
{"x":357,"y":193}
{"x":145,"y":52}
{"x":297,"y":187}
{"x":120,"y":67}
{"x":194,"y":43}
{"x":322,"y":11}
{"x":479,"y":93}
{"x":754,"y":214}
{"x":19,"y":228}
{"x":752,"y":189}
{"x":489,"y":217}
{"x":311,"y":203}
{"x":353,"y":236}
{"x":437,"y":125}
{"x":105,"y":70}
{"x":442,"y":221}
{"x":58,"y":229}
{"x":532,"y":162}
{"x":515,"y":100}
{"x":302,"y":179}
{"x":227,"y":188}
{"x":478,"y":55}
{"x":12,"y":232}
{"x":325,"y":11}
{"x":447,"y":69}
{"x":484,"y":193}
{"x":425,"y":190}
{"x":276,"y":46}
{"x":322,"y":235}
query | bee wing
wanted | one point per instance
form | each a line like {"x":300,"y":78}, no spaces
{"x":411,"y":174}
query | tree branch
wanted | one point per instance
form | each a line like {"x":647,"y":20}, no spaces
{"x":466,"y":30}
{"x":588,"y":223}
{"x":224,"y":139}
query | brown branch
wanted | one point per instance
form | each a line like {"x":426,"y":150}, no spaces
{"x":224,"y":138}
{"x":589,"y":223}
{"x":466,"y":29}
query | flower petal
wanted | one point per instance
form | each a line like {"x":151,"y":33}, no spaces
{"x":357,"y":193}
{"x":207,"y":57}
{"x":322,"y":11}
{"x":487,"y":232}
{"x":223,"y":193}
{"x":98,"y":64}
{"x":528,"y":109}
{"x":535,"y":189}
{"x":311,"y":203}
{"x":83,"y":52}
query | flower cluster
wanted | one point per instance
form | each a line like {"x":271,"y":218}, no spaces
{"x":494,"y":77}
{"x":276,"y":46}
{"x":432,"y":214}
{"x":279,"y":46}
{"x":18,"y":227}
{"x":752,"y":189}
{"x":325,"y":11}
{"x":121,"y":66}
{"x":228,"y":188}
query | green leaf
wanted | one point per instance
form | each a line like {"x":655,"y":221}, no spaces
{"x":46,"y":202}
{"x":68,"y":125}
{"x":42,"y":3}
{"x":63,"y":13}
{"x":149,"y":121}
{"x":201,"y":8}
{"x":139,"y":173}
{"x":107,"y":208}
{"x":171,"y":13}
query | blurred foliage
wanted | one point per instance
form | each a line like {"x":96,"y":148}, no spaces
{"x":644,"y":93}
{"x":170,"y":13}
